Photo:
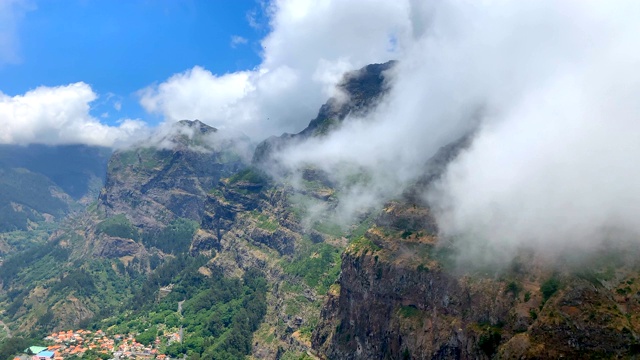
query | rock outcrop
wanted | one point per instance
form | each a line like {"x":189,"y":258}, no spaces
{"x":361,"y":91}
{"x":169,"y":177}
{"x":401,"y":295}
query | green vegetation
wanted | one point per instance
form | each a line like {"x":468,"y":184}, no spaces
{"x":408,"y":312}
{"x":299,"y":205}
{"x":78,"y":281}
{"x":317,"y":264}
{"x":514,"y":288}
{"x":220,"y":314}
{"x":406,"y":233}
{"x":118,"y":226}
{"x":147,"y":158}
{"x":250,"y":175}
{"x":22,"y":240}
{"x":11,"y":346}
{"x":151,"y":157}
{"x":148,"y":336}
{"x":406,"y":355}
{"x":361,"y":228}
{"x":329,"y":228}
{"x":364,"y":244}
{"x":123,"y":158}
{"x":264,"y":222}
{"x":549,"y":287}
{"x":175,"y":238}
{"x":295,"y":355}
{"x":48,"y":267}
{"x":445,"y":255}
{"x":177,"y":270}
{"x":490,"y":340}
{"x":14,"y":265}
{"x":31,"y":196}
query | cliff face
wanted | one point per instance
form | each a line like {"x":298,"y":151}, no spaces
{"x":396,"y":292}
{"x":40,"y":183}
{"x":246,"y":205}
{"x":361,"y":91}
{"x":169,"y":178}
{"x":401,"y":295}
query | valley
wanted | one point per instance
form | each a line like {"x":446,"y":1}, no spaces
{"x":198,"y":246}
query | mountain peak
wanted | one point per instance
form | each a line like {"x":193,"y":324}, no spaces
{"x":363,"y":89}
{"x":199,"y":125}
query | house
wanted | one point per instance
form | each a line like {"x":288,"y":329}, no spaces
{"x":44,"y":355}
{"x":32,"y":350}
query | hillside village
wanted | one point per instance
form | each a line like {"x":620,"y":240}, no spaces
{"x":80,"y":343}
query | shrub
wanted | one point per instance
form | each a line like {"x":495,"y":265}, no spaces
{"x":175,"y":238}
{"x":118,"y":226}
{"x":549,"y":288}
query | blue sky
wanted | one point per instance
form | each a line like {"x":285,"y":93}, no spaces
{"x":120,"y":47}
{"x":107,"y":72}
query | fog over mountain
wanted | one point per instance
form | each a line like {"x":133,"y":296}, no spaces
{"x":547,"y":89}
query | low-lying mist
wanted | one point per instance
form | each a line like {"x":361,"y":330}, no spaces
{"x":198,"y":137}
{"x":549,"y":91}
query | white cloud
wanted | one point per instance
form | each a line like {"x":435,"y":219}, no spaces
{"x":199,"y":94}
{"x":310,"y":43}
{"x":551,"y":89}
{"x":11,"y":14}
{"x":238,"y":40}
{"x":117,"y":105}
{"x":60,"y":115}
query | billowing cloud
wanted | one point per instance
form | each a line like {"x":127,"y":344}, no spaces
{"x":310,"y":45}
{"x":549,"y":91}
{"x":11,"y":14}
{"x":60,"y":115}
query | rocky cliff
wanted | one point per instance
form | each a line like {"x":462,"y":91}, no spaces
{"x":385,"y":287}
{"x":360,"y":91}
{"x":169,"y":176}
{"x":401,"y":295}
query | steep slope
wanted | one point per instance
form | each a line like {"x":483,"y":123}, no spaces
{"x":360,"y":90}
{"x":404,"y":294}
{"x":189,"y":234}
{"x":245,"y":220}
{"x":40,"y":182}
{"x":169,"y":177}
{"x":401,"y":295}
{"x":73,"y":168}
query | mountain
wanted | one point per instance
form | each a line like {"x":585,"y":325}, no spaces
{"x":194,"y":232}
{"x":170,"y":176}
{"x":71,"y":167}
{"x":359,"y":90}
{"x":41,"y":182}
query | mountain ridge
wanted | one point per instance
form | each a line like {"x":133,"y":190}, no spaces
{"x":188,"y":207}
